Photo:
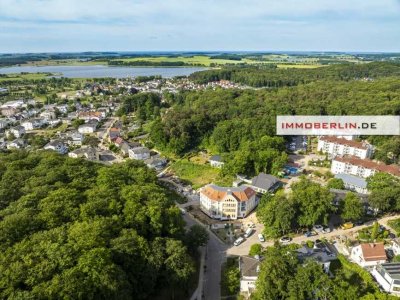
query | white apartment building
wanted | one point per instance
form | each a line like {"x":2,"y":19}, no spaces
{"x":342,"y":146}
{"x":388,"y":277}
{"x":361,"y":167}
{"x":227,"y":203}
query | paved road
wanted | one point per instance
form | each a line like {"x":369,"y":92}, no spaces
{"x":215,"y":256}
{"x":244,"y":248}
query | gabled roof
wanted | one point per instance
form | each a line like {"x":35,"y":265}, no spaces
{"x":218,"y":193}
{"x":345,"y":142}
{"x":249,"y":266}
{"x":264,"y":181}
{"x":216,"y":158}
{"x":373,"y":251}
{"x":369,"y":164}
{"x":354,"y":180}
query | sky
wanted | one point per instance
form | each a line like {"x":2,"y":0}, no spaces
{"x":199,"y":25}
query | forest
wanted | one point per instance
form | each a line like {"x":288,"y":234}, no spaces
{"x":235,"y":123}
{"x":270,"y":76}
{"x":73,"y":229}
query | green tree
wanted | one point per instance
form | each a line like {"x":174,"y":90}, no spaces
{"x":278,"y":215}
{"x":335,"y":183}
{"x":196,"y":236}
{"x":77,"y":122}
{"x":90,"y":141}
{"x":255,"y":249}
{"x":314,"y":202}
{"x":352,"y":207}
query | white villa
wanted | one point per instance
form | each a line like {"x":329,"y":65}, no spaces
{"x":227,"y":203}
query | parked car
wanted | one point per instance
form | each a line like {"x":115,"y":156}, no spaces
{"x":318,"y":228}
{"x":347,"y":225}
{"x":248,"y":232}
{"x":392,"y":235}
{"x":285,"y":239}
{"x":308,"y":234}
{"x":261,"y":237}
{"x":238,"y":241}
{"x":326,"y":230}
{"x":183,"y":211}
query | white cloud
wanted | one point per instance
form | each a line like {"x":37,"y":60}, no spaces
{"x":198,"y":25}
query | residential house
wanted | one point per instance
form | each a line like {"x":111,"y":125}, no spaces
{"x":17,"y":131}
{"x":58,"y":146}
{"x":216,"y":161}
{"x":88,"y":153}
{"x":76,"y":138}
{"x":227,"y":203}
{"x":88,"y":128}
{"x":249,"y":268}
{"x":368,"y":254}
{"x":114,"y":133}
{"x":13,"y":104}
{"x":155,"y":162}
{"x":90,"y":115}
{"x":396,"y":246}
{"x":341,"y":146}
{"x":388,"y":277}
{"x":3,"y":123}
{"x":32,"y":124}
{"x":48,"y":115}
{"x":264,"y":183}
{"x":16,"y":144}
{"x":9,"y":111}
{"x":319,"y":253}
{"x":140,"y":153}
{"x":353,"y":183}
{"x":3,"y":91}
{"x":361,"y":167}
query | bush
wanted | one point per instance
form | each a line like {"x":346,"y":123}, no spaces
{"x":255,"y":249}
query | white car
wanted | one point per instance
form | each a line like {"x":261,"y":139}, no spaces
{"x":238,"y":241}
{"x":261,"y":237}
{"x":327,"y":230}
{"x":248,"y":232}
{"x":285,"y":239}
{"x":318,"y":228}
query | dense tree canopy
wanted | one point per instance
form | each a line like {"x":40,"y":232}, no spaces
{"x":385,"y":192}
{"x":308,"y":204}
{"x":283,"y":276}
{"x":74,"y":229}
{"x":231,"y":121}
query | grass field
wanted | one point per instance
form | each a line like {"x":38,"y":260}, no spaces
{"x":199,"y":174}
{"x":29,"y":76}
{"x":196,"y":60}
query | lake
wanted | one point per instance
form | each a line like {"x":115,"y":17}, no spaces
{"x":99,"y":71}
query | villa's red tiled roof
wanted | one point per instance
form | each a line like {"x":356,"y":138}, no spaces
{"x":216,"y":193}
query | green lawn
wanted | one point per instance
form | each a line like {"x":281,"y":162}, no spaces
{"x":198,"y":175}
